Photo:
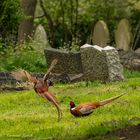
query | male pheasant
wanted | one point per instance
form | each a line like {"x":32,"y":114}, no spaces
{"x":40,"y":85}
{"x":88,"y":108}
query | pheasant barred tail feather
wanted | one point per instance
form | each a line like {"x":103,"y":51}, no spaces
{"x":101,"y":103}
{"x":48,"y":95}
{"x":54,"y":62}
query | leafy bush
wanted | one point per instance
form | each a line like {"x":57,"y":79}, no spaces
{"x":10,"y":14}
{"x":24,"y":56}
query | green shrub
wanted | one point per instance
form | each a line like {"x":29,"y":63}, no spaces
{"x":24,"y":56}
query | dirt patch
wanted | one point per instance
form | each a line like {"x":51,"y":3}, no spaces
{"x":129,"y":133}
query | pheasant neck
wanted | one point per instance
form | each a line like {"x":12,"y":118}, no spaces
{"x":72,"y":106}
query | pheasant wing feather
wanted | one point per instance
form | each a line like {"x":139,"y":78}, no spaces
{"x":86,"y":110}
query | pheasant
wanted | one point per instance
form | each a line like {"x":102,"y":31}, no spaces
{"x":88,"y":108}
{"x":40,"y":86}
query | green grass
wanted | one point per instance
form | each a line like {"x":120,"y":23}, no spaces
{"x":24,"y":115}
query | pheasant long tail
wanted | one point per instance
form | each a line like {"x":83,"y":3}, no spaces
{"x":53,"y":99}
{"x":58,"y":110}
{"x":104,"y":102}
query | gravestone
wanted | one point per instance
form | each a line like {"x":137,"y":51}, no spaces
{"x":123,"y":35}
{"x":101,"y":63}
{"x":100,"y":34}
{"x":68,"y":62}
{"x":40,"y":38}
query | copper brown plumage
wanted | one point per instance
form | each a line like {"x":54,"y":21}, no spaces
{"x":88,"y":108}
{"x":40,"y":86}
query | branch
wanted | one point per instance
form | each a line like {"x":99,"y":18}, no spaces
{"x":50,"y":24}
{"x":46,"y":14}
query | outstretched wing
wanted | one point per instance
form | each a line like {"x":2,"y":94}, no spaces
{"x":54,"y":62}
{"x":23,"y":75}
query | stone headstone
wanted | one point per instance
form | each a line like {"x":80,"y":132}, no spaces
{"x":68,"y":62}
{"x":40,"y":38}
{"x":100,"y":34}
{"x":123,"y":35}
{"x":101,"y":63}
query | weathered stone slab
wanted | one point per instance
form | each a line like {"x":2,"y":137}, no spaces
{"x":123,"y":35}
{"x":101,"y":63}
{"x":100,"y":34}
{"x":68,"y":62}
{"x":115,"y":68}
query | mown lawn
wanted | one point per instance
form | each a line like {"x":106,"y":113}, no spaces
{"x":25,"y":116}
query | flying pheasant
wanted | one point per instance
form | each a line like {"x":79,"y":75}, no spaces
{"x":40,"y":86}
{"x":88,"y":108}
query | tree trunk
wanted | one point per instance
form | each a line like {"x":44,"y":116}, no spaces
{"x":26,"y":25}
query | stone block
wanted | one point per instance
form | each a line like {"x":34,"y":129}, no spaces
{"x":101,"y":63}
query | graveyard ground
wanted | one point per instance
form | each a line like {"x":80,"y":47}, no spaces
{"x":24,"y":115}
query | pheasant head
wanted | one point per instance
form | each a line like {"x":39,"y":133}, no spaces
{"x":72,"y":104}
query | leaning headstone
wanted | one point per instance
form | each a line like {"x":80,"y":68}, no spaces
{"x":123,"y":35}
{"x":40,"y":38}
{"x":101,"y":63}
{"x":100,"y":34}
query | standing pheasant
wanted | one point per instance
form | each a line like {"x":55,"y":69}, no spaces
{"x":88,"y":108}
{"x":40,"y":86}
